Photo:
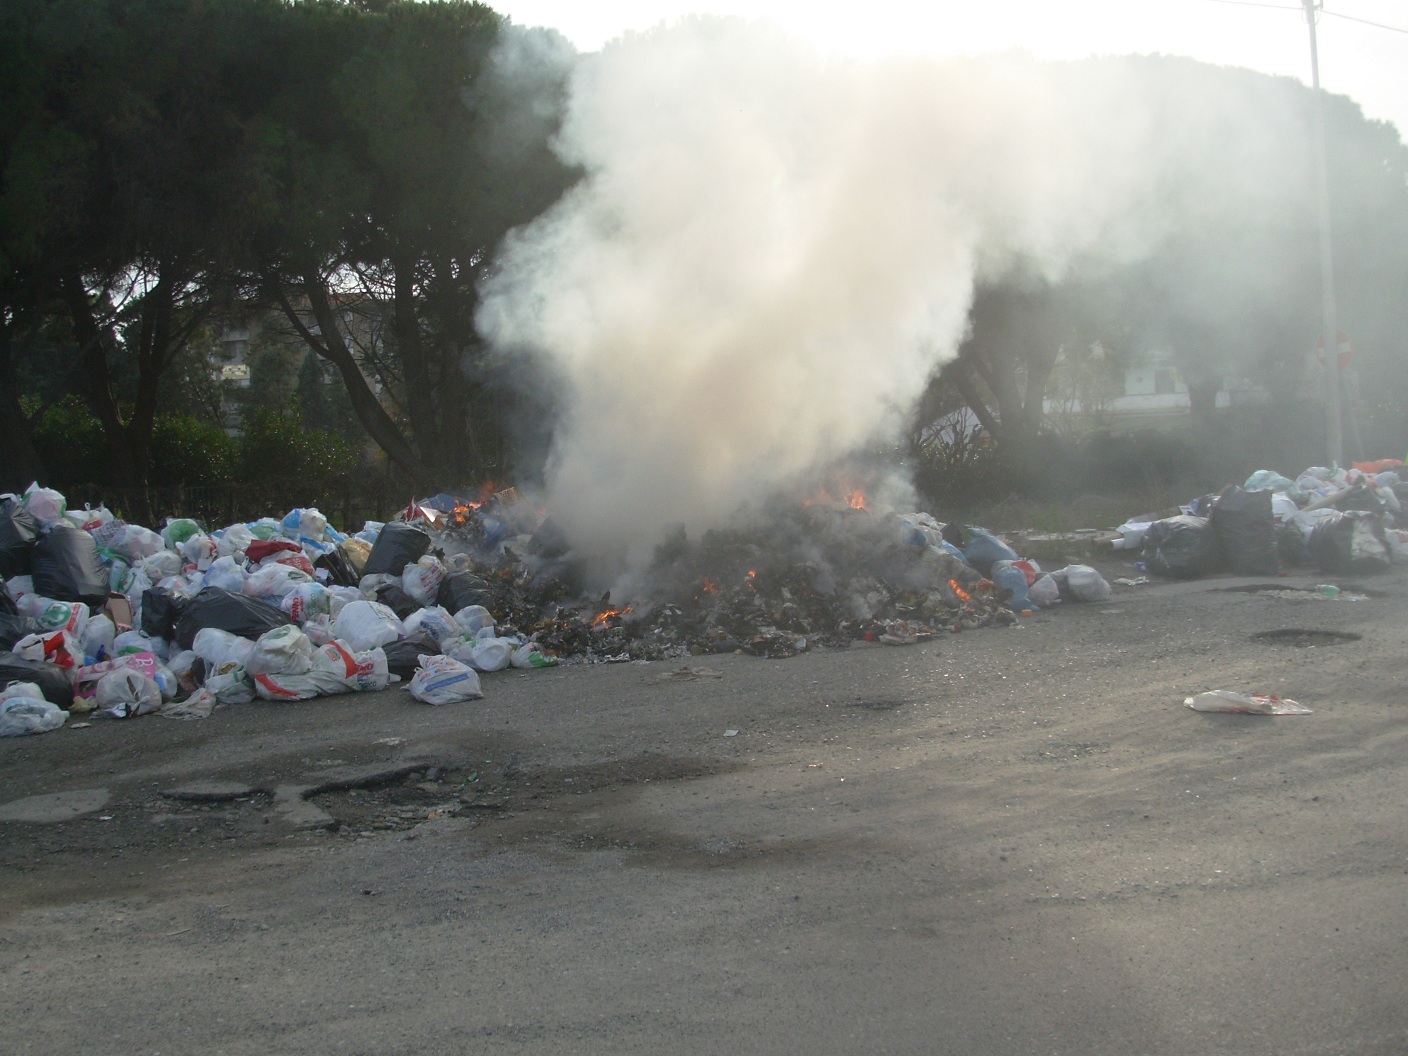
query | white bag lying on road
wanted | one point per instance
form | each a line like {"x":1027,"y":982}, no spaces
{"x":125,"y":692}
{"x":444,"y":680}
{"x":1228,"y":702}
{"x":1084,"y":583}
{"x":334,"y":669}
{"x":230,"y":684}
{"x":483,"y":654}
{"x":23,"y":710}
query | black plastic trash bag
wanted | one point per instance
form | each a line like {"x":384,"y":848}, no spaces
{"x":396,"y":599}
{"x":340,"y":573}
{"x":67,"y":567}
{"x":160,"y":613}
{"x":1291,"y":550}
{"x":1183,"y":547}
{"x":1246,"y":528}
{"x":1361,"y":497}
{"x":459,"y":590}
{"x":401,"y":656}
{"x":1350,"y":543}
{"x":13,"y":628}
{"x":980,"y":547}
{"x":227,"y":611}
{"x":52,"y":681}
{"x":18,"y":532}
{"x":397,"y":546}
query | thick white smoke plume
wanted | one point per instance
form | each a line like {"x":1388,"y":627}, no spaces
{"x":771,"y":250}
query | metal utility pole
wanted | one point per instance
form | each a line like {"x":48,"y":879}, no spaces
{"x":1333,"y":412}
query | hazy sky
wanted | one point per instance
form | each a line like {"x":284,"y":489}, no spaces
{"x":1366,"y":63}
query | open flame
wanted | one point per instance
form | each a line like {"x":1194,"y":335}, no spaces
{"x":963,"y":595}
{"x":707,"y":585}
{"x":840,"y":499}
{"x":600,"y":619}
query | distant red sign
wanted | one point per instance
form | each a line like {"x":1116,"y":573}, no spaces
{"x":1346,"y":349}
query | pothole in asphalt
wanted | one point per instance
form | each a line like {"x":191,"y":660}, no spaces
{"x":1303,"y":638}
{"x":879,"y":704}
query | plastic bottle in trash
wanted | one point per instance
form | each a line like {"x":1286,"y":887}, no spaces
{"x":1329,"y":590}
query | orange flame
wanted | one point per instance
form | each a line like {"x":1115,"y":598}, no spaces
{"x":600,"y":618}
{"x":963,"y":595}
{"x":708,"y":585}
{"x":856,"y":500}
{"x":751,"y":579}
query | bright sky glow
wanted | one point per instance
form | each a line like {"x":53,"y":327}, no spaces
{"x":1368,"y":64}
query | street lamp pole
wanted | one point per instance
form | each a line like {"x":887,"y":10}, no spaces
{"x":1333,"y":412}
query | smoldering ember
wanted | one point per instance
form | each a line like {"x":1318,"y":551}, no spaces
{"x":102,"y":614}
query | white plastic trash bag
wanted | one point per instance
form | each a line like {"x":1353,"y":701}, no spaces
{"x":422,"y":580}
{"x":1228,"y":702}
{"x":274,"y":581}
{"x":125,"y":692}
{"x":444,"y":680}
{"x":71,"y":616}
{"x":319,"y":630}
{"x":530,"y":656}
{"x":474,"y":618}
{"x":201,"y":551}
{"x":218,"y":648}
{"x":1084,"y":583}
{"x":1045,"y":591}
{"x":280,"y":651}
{"x":52,"y":647}
{"x":335,"y":668}
{"x":307,"y":600}
{"x":46,"y":504}
{"x":23,"y":710}
{"x":98,"y":636}
{"x":226,"y":573}
{"x":233,"y":540}
{"x":136,"y":641}
{"x":161,"y":564}
{"x":367,"y":624}
{"x":298,"y":523}
{"x":435,"y":621}
{"x":135,"y":543}
{"x":230,"y":684}
{"x":486,"y":654}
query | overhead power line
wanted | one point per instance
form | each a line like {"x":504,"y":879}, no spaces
{"x":1364,"y":21}
{"x":1321,"y":10}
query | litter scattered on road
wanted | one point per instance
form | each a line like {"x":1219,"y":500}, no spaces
{"x":1228,"y":702}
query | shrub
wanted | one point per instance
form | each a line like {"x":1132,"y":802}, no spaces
{"x":189,"y":451}
{"x":275,"y":446}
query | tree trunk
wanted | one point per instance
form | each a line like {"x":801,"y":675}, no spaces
{"x":330,"y":344}
{"x":94,"y":340}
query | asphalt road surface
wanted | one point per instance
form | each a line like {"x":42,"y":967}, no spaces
{"x":1003,"y":842}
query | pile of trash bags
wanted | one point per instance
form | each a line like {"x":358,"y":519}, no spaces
{"x":101,"y":615}
{"x":1339,"y":521}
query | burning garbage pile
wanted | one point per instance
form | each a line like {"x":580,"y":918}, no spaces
{"x":102,"y":615}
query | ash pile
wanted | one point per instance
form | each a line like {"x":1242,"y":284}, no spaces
{"x":801,"y":575}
